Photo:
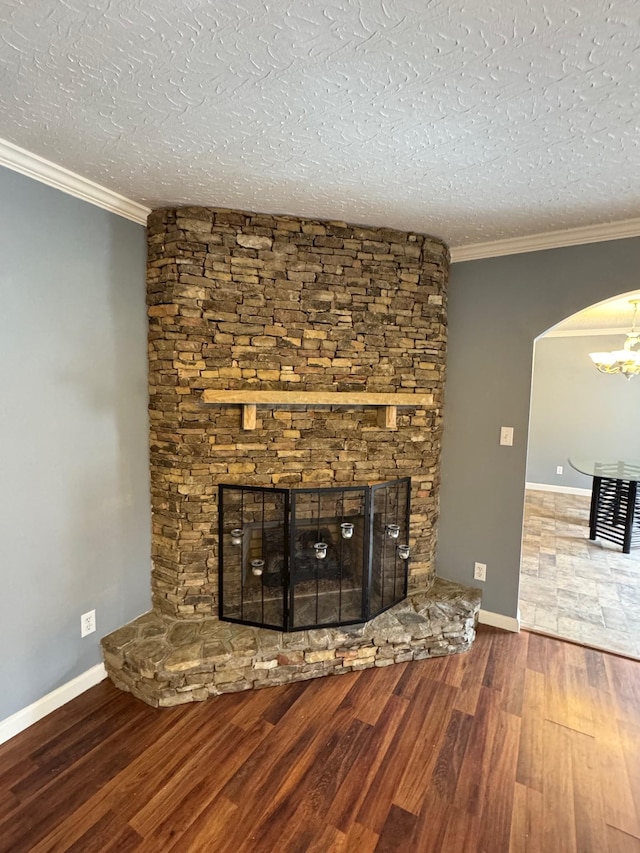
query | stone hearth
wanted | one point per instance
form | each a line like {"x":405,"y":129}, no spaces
{"x":166,"y":661}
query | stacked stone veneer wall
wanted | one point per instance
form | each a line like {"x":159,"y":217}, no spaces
{"x":245,"y":301}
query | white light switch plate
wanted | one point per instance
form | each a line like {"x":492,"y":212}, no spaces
{"x":506,"y":436}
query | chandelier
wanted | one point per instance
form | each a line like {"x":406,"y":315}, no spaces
{"x":626,"y":360}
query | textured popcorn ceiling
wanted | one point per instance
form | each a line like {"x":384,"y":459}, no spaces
{"x":469,"y":119}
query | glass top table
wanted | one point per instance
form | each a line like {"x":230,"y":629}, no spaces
{"x":623,"y":469}
{"x":615,"y":499}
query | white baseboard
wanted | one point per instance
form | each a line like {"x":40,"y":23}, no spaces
{"x":563,"y":490}
{"x":497,"y":620}
{"x":21,"y":720}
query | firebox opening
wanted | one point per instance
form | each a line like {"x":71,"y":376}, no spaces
{"x":307,"y":558}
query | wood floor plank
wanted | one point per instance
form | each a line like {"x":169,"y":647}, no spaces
{"x":527,"y":821}
{"x":14,"y":772}
{"x":432,"y":824}
{"x":171,"y":811}
{"x":596,"y":670}
{"x":521,"y":745}
{"x":145,"y":774}
{"x":298,"y":835}
{"x":271,"y":762}
{"x":102,"y":835}
{"x":368,"y":696}
{"x":276,"y":773}
{"x":514,"y":678}
{"x":587,"y":797}
{"x":499,"y":669}
{"x":156,"y":768}
{"x":413,"y":676}
{"x":536,"y":652}
{"x":445,"y":669}
{"x":489,"y":728}
{"x":618,"y":799}
{"x":328,"y":840}
{"x":498,"y":775}
{"x":70,"y":744}
{"x":620,"y":842}
{"x":462,"y":833}
{"x":309,"y":798}
{"x":321,"y":786}
{"x":530,"y":770}
{"x":205,"y":834}
{"x":625,"y":685}
{"x":630,"y":744}
{"x":555,"y":685}
{"x":360,"y":839}
{"x":344,"y":808}
{"x":76,"y":746}
{"x":387,"y":785}
{"x":71,"y":788}
{"x":246,"y":713}
{"x":126,"y":841}
{"x":565,"y":685}
{"x":103,"y":695}
{"x":282,"y":701}
{"x":446,"y":772}
{"x":397,"y":831}
{"x":467,"y":696}
{"x":9,"y":803}
{"x":448,"y":669}
{"x":559,"y":823}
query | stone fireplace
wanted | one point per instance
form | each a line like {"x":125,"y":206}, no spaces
{"x":285,"y":354}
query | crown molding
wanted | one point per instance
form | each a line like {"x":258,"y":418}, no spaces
{"x":20,"y":160}
{"x":550,"y":240}
{"x":23,"y":161}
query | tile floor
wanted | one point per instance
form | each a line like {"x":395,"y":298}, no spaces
{"x":574,"y":588}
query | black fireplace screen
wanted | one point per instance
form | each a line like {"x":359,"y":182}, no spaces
{"x":291,"y":559}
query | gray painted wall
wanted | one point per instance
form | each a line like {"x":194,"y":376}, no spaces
{"x":74,"y":503}
{"x":497,"y":307}
{"x":577,"y":411}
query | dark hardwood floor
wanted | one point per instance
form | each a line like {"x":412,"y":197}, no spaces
{"x":526,"y":743}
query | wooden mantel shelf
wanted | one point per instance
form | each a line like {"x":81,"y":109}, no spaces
{"x":250,"y":399}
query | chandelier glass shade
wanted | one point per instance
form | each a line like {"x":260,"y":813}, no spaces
{"x":626,"y":360}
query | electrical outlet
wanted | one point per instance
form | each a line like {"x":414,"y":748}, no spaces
{"x":480,"y":571}
{"x":506,"y":436}
{"x":559,"y":469}
{"x":87,"y":623}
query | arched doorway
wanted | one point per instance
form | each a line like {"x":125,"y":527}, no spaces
{"x":588,"y":592}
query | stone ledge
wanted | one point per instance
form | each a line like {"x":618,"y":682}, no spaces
{"x":166,"y":661}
